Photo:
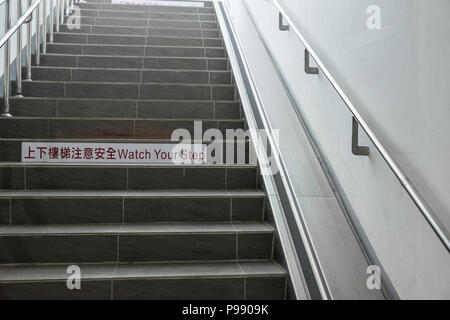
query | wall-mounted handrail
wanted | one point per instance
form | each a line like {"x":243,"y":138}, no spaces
{"x":418,"y":199}
{"x":16,"y":28}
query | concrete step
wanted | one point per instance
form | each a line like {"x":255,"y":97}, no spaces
{"x":79,"y":38}
{"x":134,"y":91}
{"x":130,"y":75}
{"x":154,"y":29}
{"x":121,"y":62}
{"x":149,"y":242}
{"x":145,"y":8}
{"x":199,"y":280}
{"x":103,"y":206}
{"x":145,"y":23}
{"x":20,"y":176}
{"x":136,"y":50}
{"x":104,"y":128}
{"x":110,"y":108}
{"x":209,"y":17}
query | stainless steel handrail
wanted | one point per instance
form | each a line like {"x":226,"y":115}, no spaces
{"x":25,"y":18}
{"x":418,"y":199}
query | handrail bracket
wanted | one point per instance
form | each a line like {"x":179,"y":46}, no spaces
{"x":308,"y":69}
{"x":357,"y":150}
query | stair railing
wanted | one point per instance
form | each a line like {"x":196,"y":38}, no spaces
{"x":52,"y":15}
{"x":357,"y":121}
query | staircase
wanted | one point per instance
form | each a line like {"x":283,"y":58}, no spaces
{"x":132,"y":74}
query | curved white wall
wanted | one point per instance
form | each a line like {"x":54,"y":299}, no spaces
{"x":398,"y":77}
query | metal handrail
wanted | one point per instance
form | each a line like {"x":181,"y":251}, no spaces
{"x":54,"y":17}
{"x":418,"y":199}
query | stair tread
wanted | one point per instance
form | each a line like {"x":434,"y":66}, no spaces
{"x":135,"y":228}
{"x":132,"y":194}
{"x":143,"y":271}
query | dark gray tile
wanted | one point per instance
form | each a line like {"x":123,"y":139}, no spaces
{"x":175,"y":109}
{"x":174,"y":24}
{"x":170,"y":16}
{"x":197,"y":178}
{"x":220,"y":77}
{"x":69,"y":38}
{"x":265,"y":288}
{"x":60,"y":128}
{"x":176,"y":247}
{"x":97,"y":108}
{"x":110,"y":50}
{"x":51,"y":74}
{"x":172,"y":41}
{"x":177,"y":210}
{"x":109,"y":62}
{"x":65,"y":48}
{"x":119,"y":14}
{"x":211,"y":34}
{"x":10,"y":151}
{"x":109,"y":39}
{"x":76,"y":178}
{"x":175,"y":63}
{"x":217,"y":64}
{"x":213,"y":43}
{"x":33,"y":107}
{"x":68,"y":248}
{"x":23,"y":128}
{"x":159,"y":129}
{"x":241,"y":178}
{"x":58,"y":60}
{"x":90,"y":290}
{"x":255,"y":246}
{"x":202,"y":289}
{"x":4,"y":211}
{"x":62,"y":211}
{"x":223,"y":93}
{"x":12,"y":178}
{"x":165,"y":32}
{"x":227,"y":110}
{"x":174,"y":52}
{"x":135,"y":31}
{"x":120,"y":22}
{"x":155,"y":178}
{"x":102,"y":90}
{"x":209,"y":25}
{"x":166,"y":76}
{"x":102,"y":75}
{"x":175,"y":92}
{"x":247,"y":209}
{"x":43,"y":89}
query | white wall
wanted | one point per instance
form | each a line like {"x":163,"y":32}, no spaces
{"x":398,"y":78}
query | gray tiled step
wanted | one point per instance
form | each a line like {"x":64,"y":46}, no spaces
{"x":65,"y":207}
{"x":143,"y":23}
{"x":148,"y":15}
{"x":206,"y":3}
{"x":200,"y":280}
{"x":111,"y":108}
{"x":18,"y":176}
{"x":104,"y":90}
{"x":99,"y":61}
{"x":136,"y":50}
{"x":154,"y":242}
{"x":154,"y":29}
{"x":42,"y":128}
{"x":130,"y":75}
{"x":117,"y":39}
{"x":145,"y":8}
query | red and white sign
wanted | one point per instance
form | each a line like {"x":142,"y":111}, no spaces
{"x":161,"y":3}
{"x":68,"y":152}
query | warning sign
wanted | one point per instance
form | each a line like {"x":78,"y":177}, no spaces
{"x":62,"y":152}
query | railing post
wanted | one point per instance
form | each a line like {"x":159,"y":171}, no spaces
{"x":61,"y":12}
{"x":44,"y":26}
{"x":19,"y":53}
{"x":29,"y":44}
{"x":52,"y":19}
{"x":57,"y":12}
{"x":38,"y":35}
{"x":6,"y":86}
